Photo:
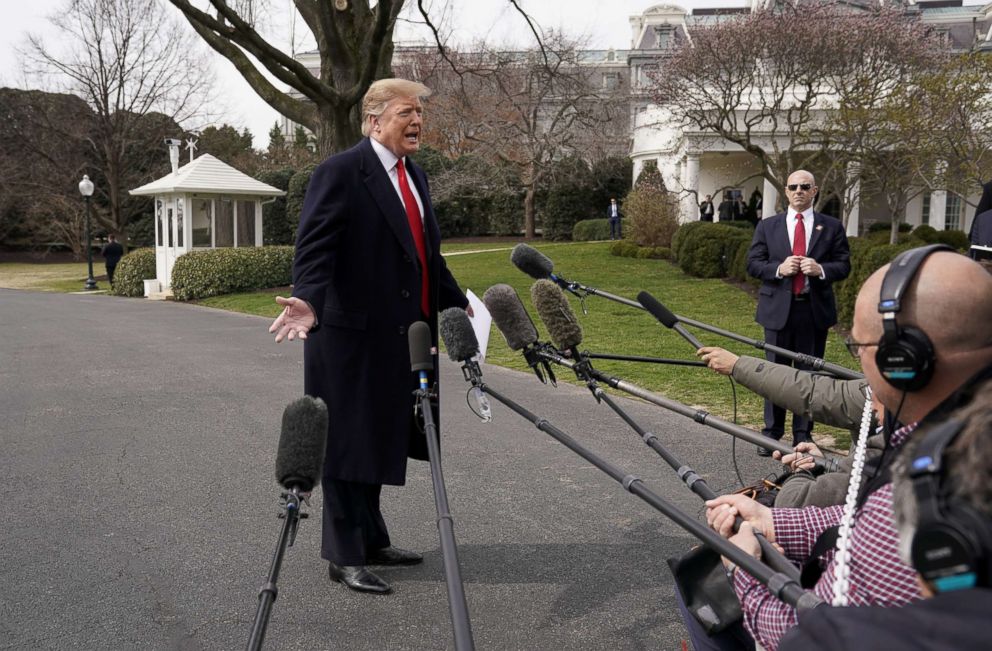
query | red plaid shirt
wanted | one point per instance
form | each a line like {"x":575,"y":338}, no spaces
{"x":877,"y":577}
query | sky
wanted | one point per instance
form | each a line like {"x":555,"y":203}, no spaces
{"x":604,"y":23}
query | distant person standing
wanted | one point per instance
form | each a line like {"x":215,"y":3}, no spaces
{"x":797,"y":255}
{"x":112,"y":253}
{"x":613,"y":214}
{"x":706,"y":209}
{"x":727,"y":207}
{"x":981,"y":225}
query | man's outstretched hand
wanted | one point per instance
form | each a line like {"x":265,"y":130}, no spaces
{"x":295,"y":321}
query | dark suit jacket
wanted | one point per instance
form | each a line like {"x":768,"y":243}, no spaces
{"x":357,"y":266}
{"x":984,"y":205}
{"x":112,"y":252}
{"x":770,"y":246}
{"x":609,"y":212}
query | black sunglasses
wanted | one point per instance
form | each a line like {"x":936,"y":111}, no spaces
{"x":855,"y":348}
{"x":792,"y":186}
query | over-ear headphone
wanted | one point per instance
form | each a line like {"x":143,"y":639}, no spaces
{"x":905,"y":355}
{"x":951,"y":543}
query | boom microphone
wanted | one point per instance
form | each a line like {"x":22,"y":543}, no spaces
{"x":516,"y":326}
{"x":458,"y":335}
{"x":557,"y":315}
{"x":666,"y":317}
{"x":510,"y":316}
{"x":300,"y":458}
{"x":532,"y":262}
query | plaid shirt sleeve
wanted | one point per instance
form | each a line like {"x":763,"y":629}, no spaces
{"x":877,"y":575}
{"x":796,"y":530}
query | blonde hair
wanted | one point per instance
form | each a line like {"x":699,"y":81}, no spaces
{"x":383,"y":91}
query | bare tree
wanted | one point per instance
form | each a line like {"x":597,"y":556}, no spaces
{"x":526,"y":108}
{"x":771,"y":81}
{"x":136,"y":69}
{"x":355,"y":43}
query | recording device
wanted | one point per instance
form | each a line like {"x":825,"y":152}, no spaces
{"x":514,"y":323}
{"x":459,"y":338}
{"x":905,"y":356}
{"x":300,"y":458}
{"x":299,"y":463}
{"x":951,"y":544}
{"x":667,"y":319}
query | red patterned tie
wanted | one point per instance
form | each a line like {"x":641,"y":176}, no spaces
{"x":799,"y":248}
{"x":417,"y":229}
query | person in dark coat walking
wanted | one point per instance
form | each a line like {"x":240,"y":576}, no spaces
{"x":368,"y":264}
{"x":727,"y":210}
{"x":112,"y":253}
{"x":796,"y":299}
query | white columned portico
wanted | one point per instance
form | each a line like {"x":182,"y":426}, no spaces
{"x":690,"y":187}
{"x":769,"y":199}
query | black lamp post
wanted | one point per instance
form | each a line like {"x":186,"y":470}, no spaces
{"x":86,"y":189}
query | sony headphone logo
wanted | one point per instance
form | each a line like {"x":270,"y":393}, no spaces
{"x":939,"y":553}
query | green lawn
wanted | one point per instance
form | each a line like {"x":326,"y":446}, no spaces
{"x":41,"y":277}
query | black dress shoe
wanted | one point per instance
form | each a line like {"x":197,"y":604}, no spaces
{"x":359,"y":578}
{"x":764,"y":452}
{"x":393,"y":556}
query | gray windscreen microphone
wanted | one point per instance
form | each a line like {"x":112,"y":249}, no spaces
{"x":557,"y":314}
{"x":510,"y":316}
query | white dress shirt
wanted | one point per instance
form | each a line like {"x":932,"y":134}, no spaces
{"x":389,"y":161}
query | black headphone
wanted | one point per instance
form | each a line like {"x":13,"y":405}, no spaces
{"x":905,"y":355}
{"x":951,"y":543}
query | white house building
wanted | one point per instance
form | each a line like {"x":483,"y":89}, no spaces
{"x":205,"y":204}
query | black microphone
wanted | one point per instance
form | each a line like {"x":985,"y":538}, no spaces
{"x":300,"y":459}
{"x":666,"y":317}
{"x":532,"y":262}
{"x":539,"y":266}
{"x":557,"y":315}
{"x":516,"y":326}
{"x":459,"y":338}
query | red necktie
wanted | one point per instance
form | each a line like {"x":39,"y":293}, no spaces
{"x":417,"y":229}
{"x":799,"y":248}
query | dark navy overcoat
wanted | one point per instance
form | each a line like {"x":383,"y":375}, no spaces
{"x":357,"y":266}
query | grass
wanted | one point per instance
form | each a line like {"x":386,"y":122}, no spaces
{"x":63,"y":277}
{"x":609,"y":327}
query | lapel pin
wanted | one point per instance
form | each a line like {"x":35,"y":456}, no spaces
{"x":819,"y":228}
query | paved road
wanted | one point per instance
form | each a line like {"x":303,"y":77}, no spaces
{"x":138,"y":503}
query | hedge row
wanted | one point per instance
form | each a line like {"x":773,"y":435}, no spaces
{"x":133,"y":269}
{"x":708,"y":250}
{"x":628,"y":249}
{"x":199,"y":274}
{"x":589,"y":230}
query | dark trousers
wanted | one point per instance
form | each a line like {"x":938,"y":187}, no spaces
{"x":615,"y":232}
{"x":110,"y":272}
{"x":800,"y":335}
{"x":352,"y":522}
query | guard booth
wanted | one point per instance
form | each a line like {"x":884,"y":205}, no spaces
{"x":205,"y":204}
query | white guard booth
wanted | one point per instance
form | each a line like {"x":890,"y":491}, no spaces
{"x":205,"y":204}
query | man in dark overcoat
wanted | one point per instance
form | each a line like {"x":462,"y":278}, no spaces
{"x":361,"y":276}
{"x":796,"y":299}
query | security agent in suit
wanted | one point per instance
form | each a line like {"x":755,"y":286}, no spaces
{"x":359,"y":282}
{"x":796,"y":301}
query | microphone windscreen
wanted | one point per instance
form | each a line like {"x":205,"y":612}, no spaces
{"x":657,"y":310}
{"x":458,"y":334}
{"x":531,"y":261}
{"x":300,"y":458}
{"x":510,"y":316}
{"x":418,"y":337}
{"x":557,"y":314}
